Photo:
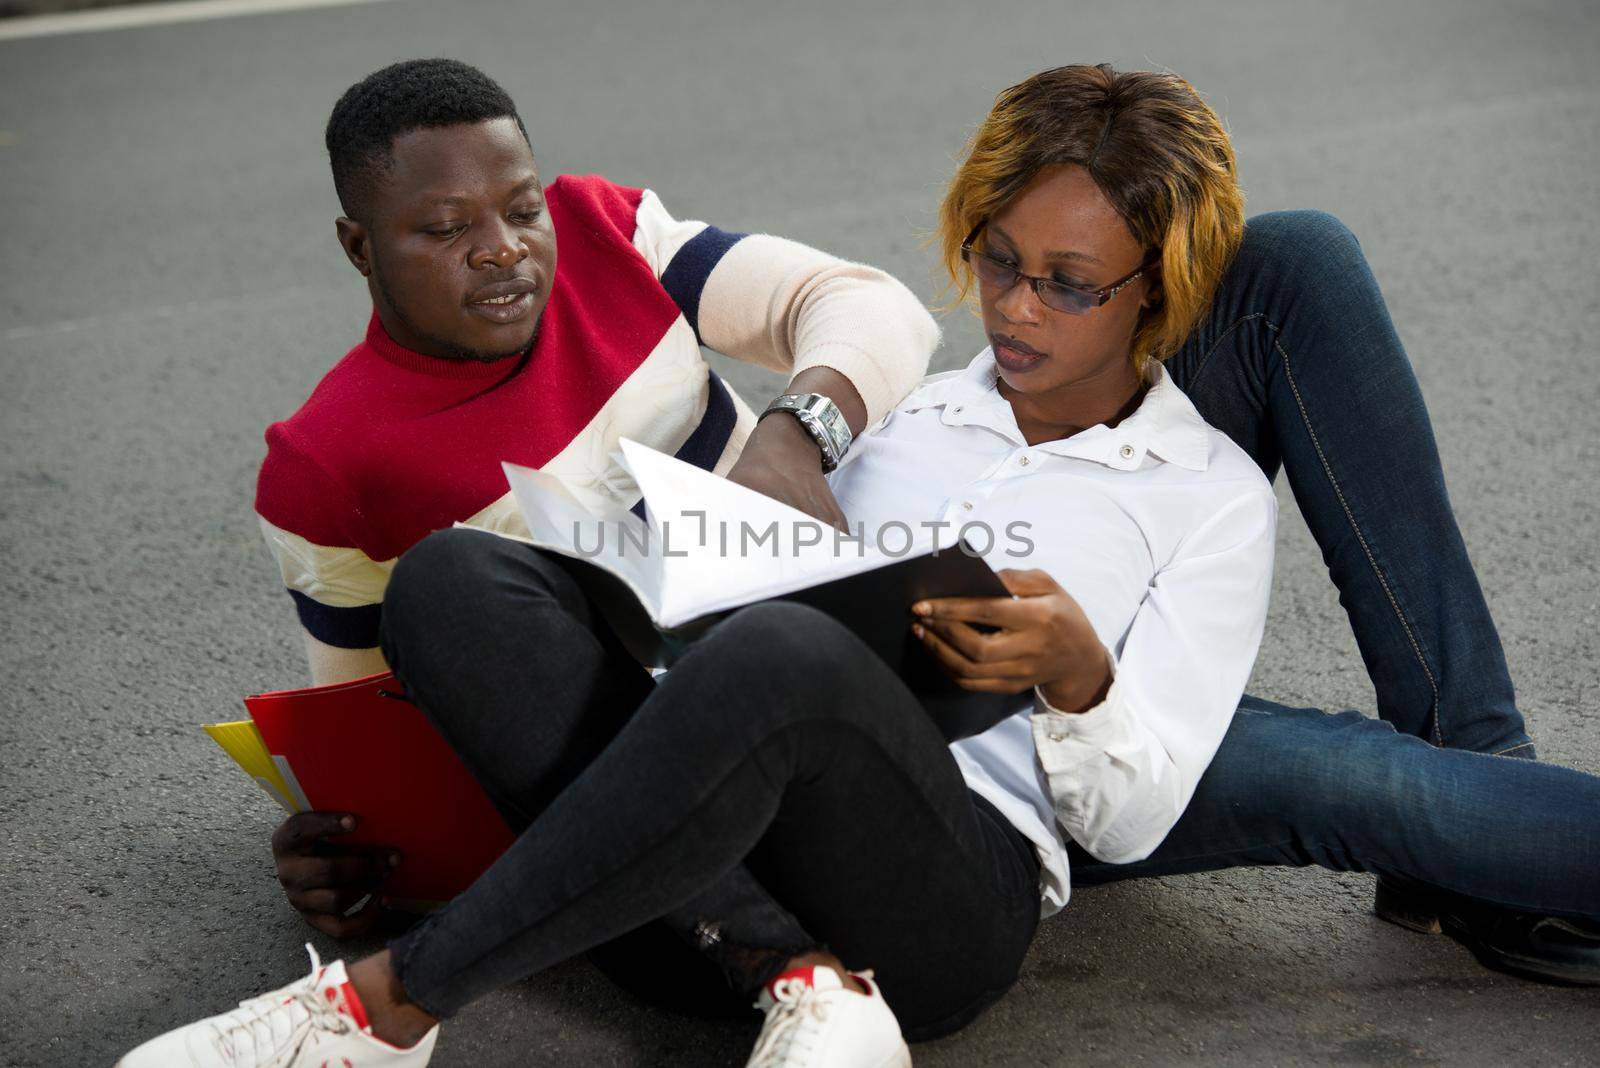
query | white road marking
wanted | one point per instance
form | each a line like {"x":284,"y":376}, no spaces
{"x":136,"y":15}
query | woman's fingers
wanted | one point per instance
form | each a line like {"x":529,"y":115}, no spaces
{"x":1028,"y":582}
{"x":1006,"y":676}
{"x":1007,"y":686}
{"x":1001,"y":645}
{"x":1007,"y":613}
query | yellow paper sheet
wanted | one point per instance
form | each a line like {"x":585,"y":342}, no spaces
{"x":243,"y":742}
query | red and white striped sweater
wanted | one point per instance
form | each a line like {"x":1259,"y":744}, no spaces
{"x":392,"y":444}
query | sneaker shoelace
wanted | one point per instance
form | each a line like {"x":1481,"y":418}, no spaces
{"x":269,"y":1031}
{"x":794,"y":1023}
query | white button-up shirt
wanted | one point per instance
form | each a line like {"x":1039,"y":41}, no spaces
{"x":1161,"y":528}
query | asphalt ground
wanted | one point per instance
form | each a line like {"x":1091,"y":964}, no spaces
{"x":171,"y":284}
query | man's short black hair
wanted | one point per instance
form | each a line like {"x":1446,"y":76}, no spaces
{"x":415,"y":95}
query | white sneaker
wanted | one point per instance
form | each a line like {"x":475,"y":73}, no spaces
{"x":814,"y":1022}
{"x":315,"y":1022}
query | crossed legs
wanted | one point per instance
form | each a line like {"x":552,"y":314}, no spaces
{"x":779,"y":747}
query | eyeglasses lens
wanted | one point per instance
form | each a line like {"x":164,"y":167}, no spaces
{"x":1063,"y":299}
{"x":993,"y":273}
{"x":998,"y":276}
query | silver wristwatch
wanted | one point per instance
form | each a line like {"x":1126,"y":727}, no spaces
{"x":823,"y":421}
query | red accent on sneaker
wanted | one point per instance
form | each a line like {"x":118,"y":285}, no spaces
{"x":802,"y":974}
{"x":346,"y":1000}
{"x":352,"y":1005}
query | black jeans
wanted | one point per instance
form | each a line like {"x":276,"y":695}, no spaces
{"x":780,"y":783}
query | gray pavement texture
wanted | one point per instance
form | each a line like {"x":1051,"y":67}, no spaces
{"x":171,"y":284}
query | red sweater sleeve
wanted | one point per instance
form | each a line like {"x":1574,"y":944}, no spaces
{"x":300,"y":495}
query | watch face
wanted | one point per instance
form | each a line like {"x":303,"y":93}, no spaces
{"x":823,"y":421}
{"x":829,"y":415}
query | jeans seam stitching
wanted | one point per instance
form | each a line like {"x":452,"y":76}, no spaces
{"x":1344,"y":504}
{"x":403,"y":964}
{"x":1204,"y":360}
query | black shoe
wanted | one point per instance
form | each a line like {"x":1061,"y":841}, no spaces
{"x":1549,"y":948}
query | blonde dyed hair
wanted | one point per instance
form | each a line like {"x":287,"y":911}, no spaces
{"x":1157,"y":152}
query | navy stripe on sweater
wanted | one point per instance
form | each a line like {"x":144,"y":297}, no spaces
{"x":685,"y":277}
{"x":705,"y":446}
{"x":343,"y":628}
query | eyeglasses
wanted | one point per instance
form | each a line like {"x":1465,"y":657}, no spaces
{"x":1000,"y":276}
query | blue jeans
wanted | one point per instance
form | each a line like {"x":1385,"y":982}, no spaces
{"x":1296,"y":786}
{"x":1299,"y":363}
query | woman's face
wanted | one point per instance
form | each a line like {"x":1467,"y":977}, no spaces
{"x":1062,"y":227}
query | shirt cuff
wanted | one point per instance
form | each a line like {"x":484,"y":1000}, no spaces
{"x":1092,"y":727}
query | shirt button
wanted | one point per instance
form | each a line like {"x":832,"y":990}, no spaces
{"x":1057,"y":737}
{"x":966,"y":506}
{"x":958,"y":408}
{"x":1023,"y":461}
{"x":1127,"y":451}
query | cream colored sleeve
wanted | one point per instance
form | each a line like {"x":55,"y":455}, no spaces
{"x":787,"y":307}
{"x":330,"y":664}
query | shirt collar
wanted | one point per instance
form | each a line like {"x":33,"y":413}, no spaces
{"x":1165,"y":424}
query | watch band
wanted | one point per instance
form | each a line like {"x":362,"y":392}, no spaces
{"x":822,"y":419}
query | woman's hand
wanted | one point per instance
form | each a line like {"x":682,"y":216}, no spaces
{"x":1044,"y":640}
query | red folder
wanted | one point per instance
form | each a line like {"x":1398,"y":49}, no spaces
{"x":361,"y":747}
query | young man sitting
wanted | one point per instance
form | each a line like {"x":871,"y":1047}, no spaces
{"x":485,"y":345}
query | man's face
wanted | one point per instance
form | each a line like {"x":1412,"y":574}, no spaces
{"x":458,"y":251}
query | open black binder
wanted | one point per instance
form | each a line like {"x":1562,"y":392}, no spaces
{"x":663,"y":578}
{"x":875,"y":605}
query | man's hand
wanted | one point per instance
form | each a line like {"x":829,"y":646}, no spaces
{"x":781,"y":461}
{"x":1044,"y":640}
{"x":325,"y":881}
